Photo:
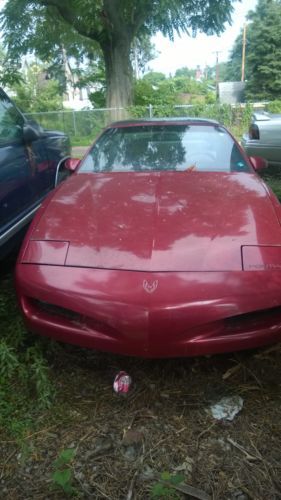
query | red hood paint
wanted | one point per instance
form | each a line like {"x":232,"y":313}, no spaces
{"x":160,"y":221}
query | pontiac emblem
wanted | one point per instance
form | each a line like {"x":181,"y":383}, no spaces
{"x":150,"y":287}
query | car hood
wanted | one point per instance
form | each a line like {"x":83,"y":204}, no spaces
{"x":168,"y":221}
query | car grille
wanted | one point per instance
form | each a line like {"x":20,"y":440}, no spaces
{"x":54,"y":310}
{"x":253,"y":320}
{"x":73,"y":317}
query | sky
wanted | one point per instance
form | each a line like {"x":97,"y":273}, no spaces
{"x":190,"y":52}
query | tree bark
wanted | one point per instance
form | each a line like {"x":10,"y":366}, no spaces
{"x":118,"y":71}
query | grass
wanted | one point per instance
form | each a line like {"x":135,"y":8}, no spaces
{"x":81,"y":141}
{"x":25,"y":386}
{"x":272,"y":176}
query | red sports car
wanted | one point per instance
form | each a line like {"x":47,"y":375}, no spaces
{"x":164,"y":242}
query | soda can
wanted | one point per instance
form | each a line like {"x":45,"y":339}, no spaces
{"x":122,"y":383}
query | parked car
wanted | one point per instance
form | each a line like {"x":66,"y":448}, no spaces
{"x":29,"y":159}
{"x":164,"y":242}
{"x":264,"y":137}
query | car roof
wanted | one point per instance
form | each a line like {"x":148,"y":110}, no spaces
{"x":171,"y":120}
{"x":264,"y":116}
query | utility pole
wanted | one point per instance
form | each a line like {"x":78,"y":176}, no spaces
{"x":217,"y":52}
{"x":243,"y":53}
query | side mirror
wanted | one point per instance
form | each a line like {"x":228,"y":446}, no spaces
{"x":258,"y":163}
{"x":71,"y":164}
{"x":30,"y":133}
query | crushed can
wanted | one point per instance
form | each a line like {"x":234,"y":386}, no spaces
{"x":122,"y":383}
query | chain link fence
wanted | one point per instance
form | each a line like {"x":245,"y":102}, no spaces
{"x":83,"y":126}
{"x":76,"y":124}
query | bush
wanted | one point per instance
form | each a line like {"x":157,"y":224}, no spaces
{"x":274,"y":107}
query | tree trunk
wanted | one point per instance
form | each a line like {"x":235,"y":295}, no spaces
{"x":118,"y":73}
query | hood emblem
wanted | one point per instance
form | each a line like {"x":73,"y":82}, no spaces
{"x":150,"y":287}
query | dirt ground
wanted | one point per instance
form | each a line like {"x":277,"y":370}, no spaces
{"x":122,"y":445}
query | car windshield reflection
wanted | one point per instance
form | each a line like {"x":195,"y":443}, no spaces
{"x":165,"y":147}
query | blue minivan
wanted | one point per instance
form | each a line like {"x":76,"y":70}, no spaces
{"x":30,"y":158}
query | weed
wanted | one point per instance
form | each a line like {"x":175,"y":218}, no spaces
{"x":8,"y":361}
{"x":39,"y":374}
{"x":25,"y":386}
{"x":272,"y":176}
{"x":165,"y":488}
{"x":62,"y":477}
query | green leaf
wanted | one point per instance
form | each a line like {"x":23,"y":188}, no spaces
{"x":177,"y":479}
{"x":65,"y":457}
{"x":166,"y":476}
{"x":160,"y":491}
{"x":84,"y":29}
{"x":62,"y":478}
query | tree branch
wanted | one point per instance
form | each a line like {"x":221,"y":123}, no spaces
{"x":113,"y":13}
{"x":112,"y":10}
{"x":138,"y":17}
{"x":70,"y":18}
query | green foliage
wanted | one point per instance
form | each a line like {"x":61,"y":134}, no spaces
{"x":88,"y":124}
{"x":210,"y":98}
{"x":263,"y":52}
{"x":157,"y":90}
{"x":190,"y":86}
{"x":25,"y":386}
{"x":154,"y":77}
{"x":82,"y":141}
{"x":185,"y":72}
{"x":36,"y":93}
{"x":8,"y":361}
{"x":65,"y":457}
{"x":39,"y":375}
{"x":236,"y":119}
{"x":272,"y":176}
{"x":264,"y":58}
{"x":85,"y":124}
{"x":34,"y":20}
{"x":164,"y":489}
{"x":98,"y":98}
{"x":143,"y":51}
{"x":225,"y":70}
{"x":274,"y":106}
{"x":143,"y":93}
{"x":62,"y":477}
{"x":107,"y":29}
{"x":162,"y":93}
{"x":9,"y":69}
{"x":232,"y":69}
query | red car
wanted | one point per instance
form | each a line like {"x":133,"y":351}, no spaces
{"x":164,"y":242}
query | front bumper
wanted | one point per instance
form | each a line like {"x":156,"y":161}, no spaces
{"x":151,"y":314}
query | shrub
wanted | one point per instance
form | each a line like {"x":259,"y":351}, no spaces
{"x":274,"y":107}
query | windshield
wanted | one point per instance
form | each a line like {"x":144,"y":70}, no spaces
{"x":165,"y":147}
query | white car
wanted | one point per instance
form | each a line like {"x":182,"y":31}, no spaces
{"x":264,"y":137}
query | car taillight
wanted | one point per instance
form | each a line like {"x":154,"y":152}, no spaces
{"x":254,"y":132}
